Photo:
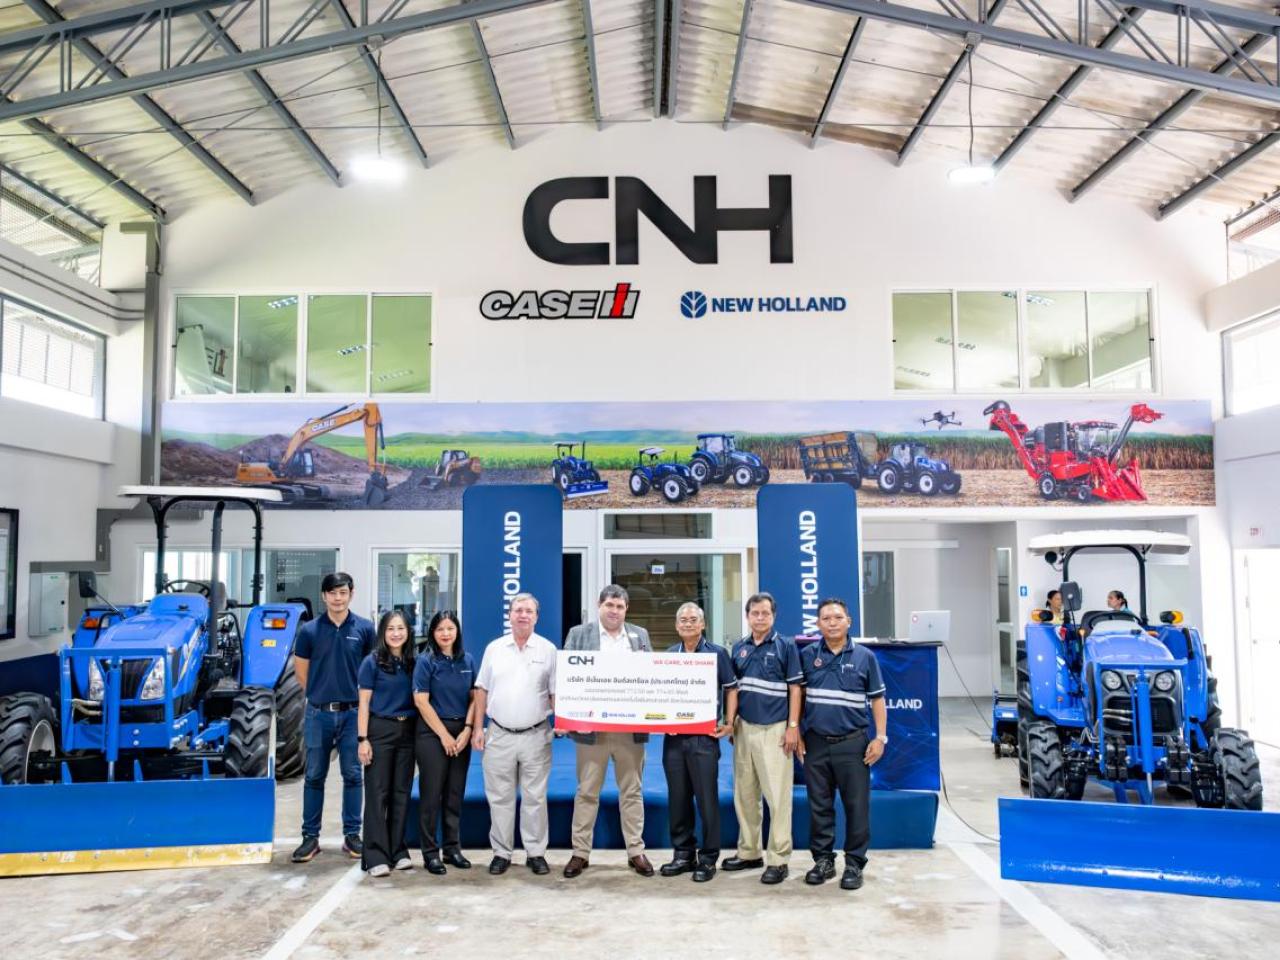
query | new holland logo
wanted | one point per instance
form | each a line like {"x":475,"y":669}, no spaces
{"x":616,"y":304}
{"x":694,"y":304}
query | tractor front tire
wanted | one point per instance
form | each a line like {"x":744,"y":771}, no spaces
{"x":26,"y":728}
{"x":1048,"y":486}
{"x":563,"y":481}
{"x":1024,"y":770}
{"x":927,"y":483}
{"x":672,"y":490}
{"x":593,"y":475}
{"x":1046,"y":767}
{"x":889,"y":478}
{"x":743,"y":475}
{"x":291,"y":708}
{"x":762,"y":476}
{"x":639,"y":484}
{"x":951,"y":484}
{"x":701,"y":472}
{"x":1238,"y":769}
{"x":252,"y":734}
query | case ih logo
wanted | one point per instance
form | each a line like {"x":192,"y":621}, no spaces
{"x":616,"y":304}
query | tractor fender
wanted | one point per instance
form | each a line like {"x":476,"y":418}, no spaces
{"x":1051,"y":681}
{"x":269,"y":633}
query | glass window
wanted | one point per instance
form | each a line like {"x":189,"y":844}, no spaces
{"x":659,"y":583}
{"x":1252,"y":355}
{"x":987,"y":340}
{"x":205,"y":341}
{"x":877,"y":594}
{"x":418,"y":584}
{"x":922,"y":341}
{"x":289,"y":576}
{"x":337,"y":334}
{"x":267,"y":345}
{"x":197,"y":565}
{"x":8,"y":572}
{"x":1120,"y":340}
{"x":51,"y":362}
{"x":401,"y":344}
{"x":1057,"y":341}
{"x":657,"y":526}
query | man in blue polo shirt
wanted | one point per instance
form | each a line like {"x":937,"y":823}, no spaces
{"x":327,"y":655}
{"x":843,"y":694}
{"x":767,"y":733}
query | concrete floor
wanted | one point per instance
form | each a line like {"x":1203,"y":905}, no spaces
{"x":946,"y":902}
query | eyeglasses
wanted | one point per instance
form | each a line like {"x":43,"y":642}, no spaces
{"x":688,"y":620}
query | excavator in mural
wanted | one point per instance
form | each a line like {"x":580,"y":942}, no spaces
{"x":290,"y":472}
{"x":1075,"y":460}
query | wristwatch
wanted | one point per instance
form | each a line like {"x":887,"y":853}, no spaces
{"x":883,"y":738}
{"x":793,"y":724}
{"x":362,"y":739}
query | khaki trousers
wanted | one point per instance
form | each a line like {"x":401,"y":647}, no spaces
{"x":761,"y":770}
{"x":517,"y":761}
{"x":628,"y":770}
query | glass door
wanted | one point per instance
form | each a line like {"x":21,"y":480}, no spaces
{"x":417,"y":583}
{"x":1259,"y":625}
{"x":1006,"y":637}
{"x":877,"y":594}
{"x":659,"y":582}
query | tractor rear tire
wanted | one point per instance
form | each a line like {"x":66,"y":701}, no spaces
{"x":853,"y":478}
{"x":889,"y":478}
{"x":27,"y":726}
{"x":1045,"y":764}
{"x":639,"y":484}
{"x":927,"y":483}
{"x":1238,"y":770}
{"x":291,"y":708}
{"x":251,"y":737}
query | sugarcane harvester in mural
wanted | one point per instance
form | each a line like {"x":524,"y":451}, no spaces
{"x":1075,"y":460}
{"x":289,"y":472}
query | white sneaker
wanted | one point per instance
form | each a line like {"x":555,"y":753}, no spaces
{"x":381,"y":870}
{"x":404,"y":863}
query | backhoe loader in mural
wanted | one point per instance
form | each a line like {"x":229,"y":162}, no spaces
{"x":289,"y":472}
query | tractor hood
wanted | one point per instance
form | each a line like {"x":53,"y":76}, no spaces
{"x":170,"y":621}
{"x":742,"y":456}
{"x":1126,"y":646}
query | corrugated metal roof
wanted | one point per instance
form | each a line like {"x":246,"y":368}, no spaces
{"x":539,"y":60}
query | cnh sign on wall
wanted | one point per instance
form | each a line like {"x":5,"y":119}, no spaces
{"x":633,"y":197}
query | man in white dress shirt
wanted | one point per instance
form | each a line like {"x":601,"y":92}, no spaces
{"x":515,"y":690}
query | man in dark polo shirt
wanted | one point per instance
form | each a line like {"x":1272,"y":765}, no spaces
{"x":844,"y":734}
{"x":327,"y":655}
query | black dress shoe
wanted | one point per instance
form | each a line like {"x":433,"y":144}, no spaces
{"x":737,"y":863}
{"x":454,"y":858}
{"x":774,"y":874}
{"x":434,"y":865}
{"x":677,"y":867}
{"x":538,"y":865}
{"x":498,"y":865}
{"x":823,"y":870}
{"x":852,"y":878}
{"x":704,"y":872}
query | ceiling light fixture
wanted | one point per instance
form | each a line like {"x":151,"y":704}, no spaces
{"x":378,"y":169}
{"x":972,"y":172}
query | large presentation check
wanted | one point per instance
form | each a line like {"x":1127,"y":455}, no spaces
{"x":636,"y":692}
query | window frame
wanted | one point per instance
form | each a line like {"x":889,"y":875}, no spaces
{"x":1228,"y":408}
{"x":1021,"y":291}
{"x":9,"y":625}
{"x":302,"y":393}
{"x":100,"y":395}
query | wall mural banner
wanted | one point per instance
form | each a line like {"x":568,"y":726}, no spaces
{"x":1010,"y":451}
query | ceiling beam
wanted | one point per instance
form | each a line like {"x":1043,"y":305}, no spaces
{"x":491,"y":79}
{"x":673,"y":71}
{"x":855,"y":35}
{"x":1223,"y":171}
{"x":737,"y":62}
{"x":659,"y":42}
{"x":41,"y":190}
{"x":594,"y":74}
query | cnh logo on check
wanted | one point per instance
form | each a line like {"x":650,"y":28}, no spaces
{"x":578,"y":660}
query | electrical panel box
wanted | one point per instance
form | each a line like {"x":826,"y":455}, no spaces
{"x":47,"y":611}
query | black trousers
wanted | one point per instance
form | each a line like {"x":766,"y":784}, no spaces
{"x":441,"y":782}
{"x":692,"y":765}
{"x":387,"y":781}
{"x":829,"y":767}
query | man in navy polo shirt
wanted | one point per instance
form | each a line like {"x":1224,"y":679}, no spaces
{"x":327,"y":655}
{"x":843,"y":694}
{"x":767,"y":733}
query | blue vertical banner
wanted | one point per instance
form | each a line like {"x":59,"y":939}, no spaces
{"x":512,"y":539}
{"x":910,"y":761}
{"x":807,"y":534}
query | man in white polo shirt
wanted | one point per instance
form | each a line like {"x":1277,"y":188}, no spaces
{"x":515,"y":690}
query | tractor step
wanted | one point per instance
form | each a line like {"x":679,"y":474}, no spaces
{"x":1201,"y":852}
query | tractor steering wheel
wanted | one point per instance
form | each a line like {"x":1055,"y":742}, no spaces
{"x":1098,"y":616}
{"x":202,"y":588}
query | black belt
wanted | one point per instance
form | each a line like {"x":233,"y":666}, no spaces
{"x":520,"y":730}
{"x":394,"y":719}
{"x":335,"y":707}
{"x":839,"y":738}
{"x":451,"y":719}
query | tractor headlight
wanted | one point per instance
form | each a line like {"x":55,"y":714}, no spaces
{"x":153,"y":686}
{"x":1111,"y":680}
{"x":1165,"y":681}
{"x":96,"y":686}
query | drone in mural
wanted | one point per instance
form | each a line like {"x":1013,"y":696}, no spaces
{"x":941,"y":419}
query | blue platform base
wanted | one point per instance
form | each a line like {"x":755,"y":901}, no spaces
{"x":899,"y":818}
{"x":1210,"y":853}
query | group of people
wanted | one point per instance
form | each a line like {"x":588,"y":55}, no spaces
{"x":388,"y":708}
{"x":1116,"y":601}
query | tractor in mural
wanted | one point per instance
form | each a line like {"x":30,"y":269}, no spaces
{"x":718,"y":460}
{"x":674,"y":481}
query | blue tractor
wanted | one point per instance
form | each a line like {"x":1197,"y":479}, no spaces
{"x":572,"y":466}
{"x":188,"y":687}
{"x":1110,"y":696}
{"x":674,"y":481}
{"x":718,"y":460}
{"x":911,"y":467}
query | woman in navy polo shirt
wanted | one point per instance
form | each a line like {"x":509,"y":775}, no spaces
{"x":443,"y":681}
{"x":385,"y":732}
